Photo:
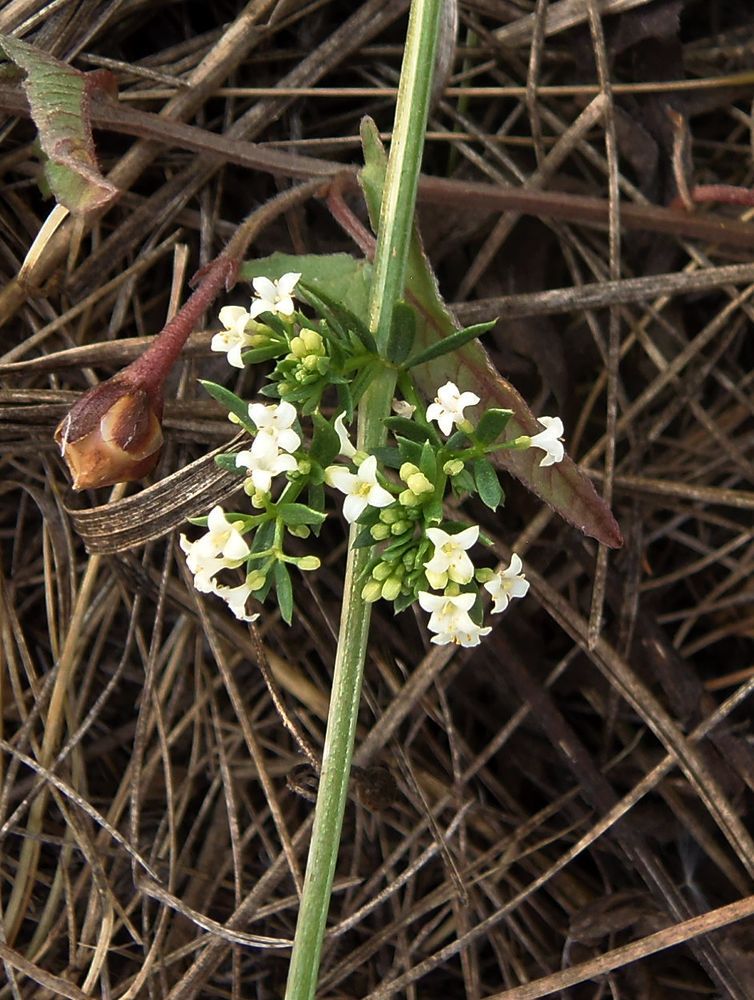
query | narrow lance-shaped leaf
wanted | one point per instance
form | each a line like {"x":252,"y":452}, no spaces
{"x":58,"y":98}
{"x":563,"y":486}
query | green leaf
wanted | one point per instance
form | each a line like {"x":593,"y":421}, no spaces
{"x":231,"y":402}
{"x":325,"y":441}
{"x":228,"y":462}
{"x":389,"y":457}
{"x":284,"y":592}
{"x":340,"y":319}
{"x":428,"y":462}
{"x":59,"y":98}
{"x":410,"y":450}
{"x":258,"y":354}
{"x":294,"y":514}
{"x":487,"y":484}
{"x":407,"y":428}
{"x":402,"y":333}
{"x":402,"y":602}
{"x":463,"y":482}
{"x":492,"y":425}
{"x":315,"y":494}
{"x":264,"y":537}
{"x":364,"y":538}
{"x":563,"y":486}
{"x":450,"y":342}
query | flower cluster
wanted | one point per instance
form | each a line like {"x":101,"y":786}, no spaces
{"x":394,"y":497}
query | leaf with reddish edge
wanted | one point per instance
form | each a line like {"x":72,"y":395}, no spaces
{"x":563,"y":486}
{"x":58,"y":97}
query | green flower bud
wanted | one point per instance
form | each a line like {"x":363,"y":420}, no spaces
{"x":299,"y":530}
{"x":391,"y":588}
{"x":453,"y":467}
{"x":298,"y":348}
{"x":398,"y":527}
{"x":409,"y":499}
{"x":256,"y":580}
{"x":308,"y":563}
{"x":382,"y":571}
{"x":379,"y":532}
{"x":304,"y":466}
{"x":406,"y":470}
{"x":259,"y":500}
{"x":484,"y":575}
{"x":389,"y":515}
{"x":312,"y":341}
{"x":418,"y":484}
{"x":371,"y":592}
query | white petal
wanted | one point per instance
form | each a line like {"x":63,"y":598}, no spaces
{"x":353,"y":507}
{"x":346,"y":448}
{"x":341,"y":479}
{"x":265,"y":289}
{"x":466,"y":538}
{"x":233,"y":317}
{"x":288,"y":282}
{"x":431,"y":602}
{"x":379,"y":497}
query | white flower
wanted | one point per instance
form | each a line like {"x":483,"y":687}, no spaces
{"x":362,"y":490}
{"x":275,"y":422}
{"x":450,"y":561}
{"x":347,"y":450}
{"x":222,"y":539}
{"x":274,"y":296}
{"x":449,"y":405}
{"x":507,"y":584}
{"x":236,"y":598}
{"x":264,"y":462}
{"x":203,"y":566}
{"x":234,"y":339}
{"x":549,"y":440}
{"x":450,"y":619}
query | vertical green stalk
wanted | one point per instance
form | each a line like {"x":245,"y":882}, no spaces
{"x":393,"y":238}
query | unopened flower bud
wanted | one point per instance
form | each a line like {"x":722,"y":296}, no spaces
{"x":372,"y":591}
{"x":379,"y":532}
{"x":299,"y":530}
{"x":111,"y":435}
{"x":398,"y":527}
{"x":418,"y":484}
{"x":312,"y":341}
{"x":453,"y":467}
{"x":256,"y":580}
{"x":382,"y":571}
{"x":406,"y":470}
{"x":391,"y":588}
{"x":389,"y":515}
{"x":409,"y":499}
{"x":308,"y":563}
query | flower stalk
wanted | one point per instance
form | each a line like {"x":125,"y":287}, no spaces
{"x":391,"y":255}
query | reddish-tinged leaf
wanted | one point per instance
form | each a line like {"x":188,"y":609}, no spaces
{"x":58,"y":97}
{"x":563,"y":486}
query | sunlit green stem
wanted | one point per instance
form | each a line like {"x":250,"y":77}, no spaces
{"x":394,"y":234}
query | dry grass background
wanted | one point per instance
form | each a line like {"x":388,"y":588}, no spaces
{"x":563,"y":805}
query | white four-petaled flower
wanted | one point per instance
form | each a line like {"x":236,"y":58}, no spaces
{"x":507,"y":584}
{"x":449,"y":405}
{"x":362,"y":489}
{"x":275,"y":422}
{"x":549,"y":440}
{"x":450,"y":619}
{"x":234,"y":339}
{"x":450,"y":561}
{"x":274,"y":296}
{"x":265,"y":461}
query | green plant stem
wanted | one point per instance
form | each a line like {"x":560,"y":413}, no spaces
{"x":394,"y":234}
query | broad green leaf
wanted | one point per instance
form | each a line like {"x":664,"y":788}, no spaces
{"x":58,"y":98}
{"x":325,"y":442}
{"x":294,"y":514}
{"x":487,"y":484}
{"x":563,"y":486}
{"x":492,"y":425}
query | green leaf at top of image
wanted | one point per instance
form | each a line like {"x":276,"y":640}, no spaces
{"x":339,"y":276}
{"x":566,"y":489}
{"x":59,"y":98}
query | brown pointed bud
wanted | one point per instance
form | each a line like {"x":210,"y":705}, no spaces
{"x":111,"y":435}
